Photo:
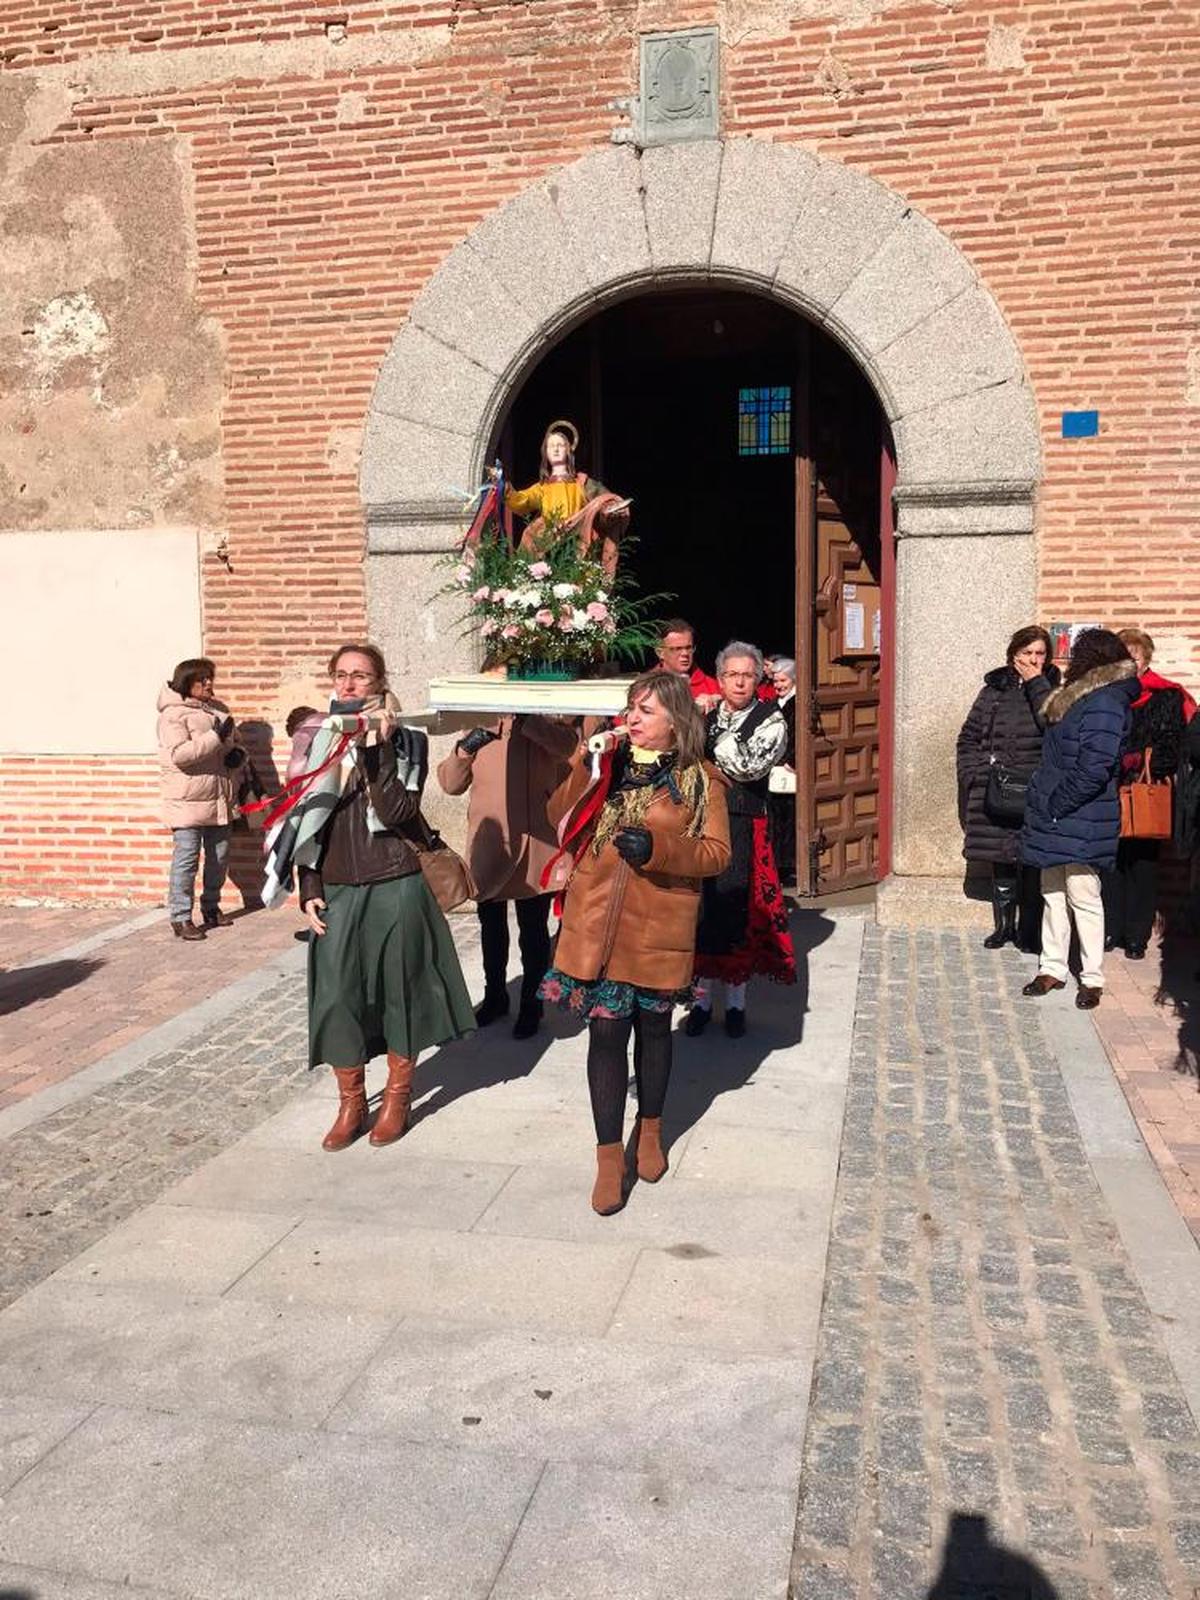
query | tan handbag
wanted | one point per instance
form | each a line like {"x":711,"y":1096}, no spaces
{"x":444,"y":870}
{"x":1146,"y":805}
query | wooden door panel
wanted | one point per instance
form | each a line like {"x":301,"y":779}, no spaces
{"x":845,"y":705}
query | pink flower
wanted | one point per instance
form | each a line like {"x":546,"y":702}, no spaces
{"x":468,"y":555}
{"x":509,"y":631}
{"x":488,"y":628}
{"x":566,"y":623}
{"x":462,"y":574}
{"x":482,"y":593}
{"x":540,"y":569}
{"x":545,"y":616}
{"x":597,"y":611}
{"x":610,"y":625}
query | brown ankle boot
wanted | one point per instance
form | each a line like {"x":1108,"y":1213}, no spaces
{"x":392,"y":1117}
{"x":608,"y":1195}
{"x":651,"y":1162}
{"x":352,"y":1108}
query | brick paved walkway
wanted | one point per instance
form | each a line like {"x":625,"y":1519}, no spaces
{"x":1150,"y":1026}
{"x":989,"y":1378}
{"x":61,"y":1015}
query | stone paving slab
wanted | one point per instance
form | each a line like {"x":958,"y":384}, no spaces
{"x":994,"y":1410}
{"x":202,"y":1354}
{"x":511,"y":1282}
{"x":235,"y":1511}
{"x":591,"y":1532}
{"x":26,"y":1583}
{"x":642,"y":1408}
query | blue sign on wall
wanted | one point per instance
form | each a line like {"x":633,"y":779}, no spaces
{"x":1080,"y":424}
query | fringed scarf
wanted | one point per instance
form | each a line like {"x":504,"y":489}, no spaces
{"x":628,"y":805}
{"x":299,"y":815}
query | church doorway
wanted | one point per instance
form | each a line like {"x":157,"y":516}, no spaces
{"x":757,"y":459}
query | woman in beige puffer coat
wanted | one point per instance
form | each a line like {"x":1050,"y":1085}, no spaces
{"x":200,"y":756}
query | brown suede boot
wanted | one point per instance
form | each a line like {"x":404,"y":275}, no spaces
{"x":651,"y":1161}
{"x":609,"y":1193}
{"x":352,"y":1108}
{"x":392,"y":1117}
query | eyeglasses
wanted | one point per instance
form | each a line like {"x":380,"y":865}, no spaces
{"x":354,"y":677}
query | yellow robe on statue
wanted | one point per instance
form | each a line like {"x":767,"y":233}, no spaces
{"x":561,"y":497}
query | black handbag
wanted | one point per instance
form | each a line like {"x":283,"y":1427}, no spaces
{"x":1006,"y":792}
{"x":1007,"y":789}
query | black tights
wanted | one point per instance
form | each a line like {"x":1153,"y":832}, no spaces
{"x":608,"y":1068}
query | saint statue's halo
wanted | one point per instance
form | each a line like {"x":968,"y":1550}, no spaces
{"x":568,"y":431}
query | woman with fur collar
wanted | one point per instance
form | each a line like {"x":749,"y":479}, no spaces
{"x":1004,"y":726}
{"x":1161,"y":712}
{"x":1072,"y":814}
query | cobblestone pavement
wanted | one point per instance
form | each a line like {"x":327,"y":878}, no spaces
{"x":68,"y":1180}
{"x":61,"y":1015}
{"x":1150,"y":1026}
{"x":993,"y":1412}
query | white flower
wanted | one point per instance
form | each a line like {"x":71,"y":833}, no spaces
{"x":562,"y":590}
{"x":531,"y":599}
{"x":579,"y":619}
{"x":600,"y":595}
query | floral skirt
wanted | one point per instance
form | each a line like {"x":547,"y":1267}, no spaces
{"x":602,"y":997}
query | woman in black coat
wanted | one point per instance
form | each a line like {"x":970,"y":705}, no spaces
{"x":1160,"y":715}
{"x":1004,"y":726}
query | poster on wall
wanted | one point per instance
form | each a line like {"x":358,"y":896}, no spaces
{"x":1063,"y":636}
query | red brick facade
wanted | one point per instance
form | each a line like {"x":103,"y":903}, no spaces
{"x":1054,"y":143}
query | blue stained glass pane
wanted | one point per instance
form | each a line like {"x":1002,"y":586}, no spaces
{"x":765,"y":421}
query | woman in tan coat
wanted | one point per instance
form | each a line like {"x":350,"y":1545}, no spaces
{"x":511,"y":768}
{"x":643,"y":835}
{"x":199,"y":755}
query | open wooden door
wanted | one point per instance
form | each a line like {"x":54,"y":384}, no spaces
{"x":839,"y":567}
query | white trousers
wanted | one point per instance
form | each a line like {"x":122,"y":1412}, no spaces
{"x":1072,"y":894}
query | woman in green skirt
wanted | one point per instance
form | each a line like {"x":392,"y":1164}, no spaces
{"x":383,"y":973}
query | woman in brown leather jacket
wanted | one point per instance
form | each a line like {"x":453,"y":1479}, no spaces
{"x":383,"y":973}
{"x":643,"y":835}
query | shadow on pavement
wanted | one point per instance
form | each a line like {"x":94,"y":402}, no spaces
{"x":28,"y":984}
{"x":973,"y":1568}
{"x":489,"y":1057}
{"x":714,"y":1065}
{"x":1179,"y":989}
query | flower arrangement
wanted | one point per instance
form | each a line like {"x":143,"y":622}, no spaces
{"x":548,"y":612}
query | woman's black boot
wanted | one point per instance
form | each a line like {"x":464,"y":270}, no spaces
{"x":1004,"y":914}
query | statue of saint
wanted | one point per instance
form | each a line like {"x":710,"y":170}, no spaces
{"x":576,"y":501}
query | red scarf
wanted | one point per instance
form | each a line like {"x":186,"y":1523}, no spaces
{"x":1151,"y":683}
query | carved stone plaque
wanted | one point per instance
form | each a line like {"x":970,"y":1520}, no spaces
{"x":679,"y":85}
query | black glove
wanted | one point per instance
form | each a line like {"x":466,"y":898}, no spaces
{"x":635,"y":845}
{"x":235,"y":757}
{"x":474,"y":741}
{"x":224,"y":728}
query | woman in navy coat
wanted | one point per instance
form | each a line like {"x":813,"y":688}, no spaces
{"x":1072,"y":815}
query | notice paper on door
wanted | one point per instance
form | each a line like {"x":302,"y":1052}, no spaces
{"x":854,"y":625}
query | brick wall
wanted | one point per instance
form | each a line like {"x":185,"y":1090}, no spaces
{"x":1055,"y":143}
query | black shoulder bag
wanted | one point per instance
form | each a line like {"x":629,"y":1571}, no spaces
{"x":1004,"y":796}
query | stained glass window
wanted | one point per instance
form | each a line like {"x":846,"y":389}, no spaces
{"x":764,"y":421}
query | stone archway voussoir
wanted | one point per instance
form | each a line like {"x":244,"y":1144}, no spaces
{"x":466,"y":307}
{"x":431,"y":384}
{"x":962,"y":347}
{"x":534,"y":255}
{"x":913,"y":273}
{"x":761,"y":191}
{"x":843,"y":219}
{"x":679,"y":196}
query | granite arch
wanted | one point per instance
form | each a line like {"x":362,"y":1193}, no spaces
{"x":840,"y":249}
